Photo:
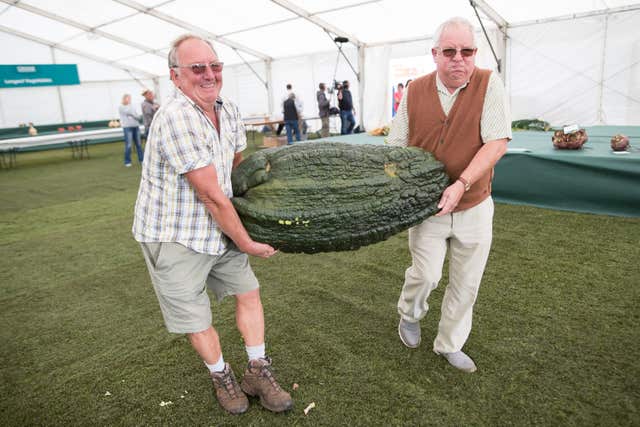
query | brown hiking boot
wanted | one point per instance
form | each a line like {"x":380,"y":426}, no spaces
{"x":228,"y":392}
{"x":259,"y":381}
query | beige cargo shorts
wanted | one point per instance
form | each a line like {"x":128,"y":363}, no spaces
{"x":180,"y":278}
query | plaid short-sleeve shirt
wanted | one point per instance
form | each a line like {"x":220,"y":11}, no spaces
{"x":182,"y":139}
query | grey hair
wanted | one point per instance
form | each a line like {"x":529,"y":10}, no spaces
{"x":173,"y":53}
{"x":456,"y":21}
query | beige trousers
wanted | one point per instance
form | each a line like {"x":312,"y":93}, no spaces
{"x":324,"y":131}
{"x":467,"y":236}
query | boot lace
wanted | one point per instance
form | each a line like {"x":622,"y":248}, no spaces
{"x":266,"y":371}
{"x":227,"y":381}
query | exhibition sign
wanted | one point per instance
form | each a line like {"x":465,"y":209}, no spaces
{"x":26,"y":75}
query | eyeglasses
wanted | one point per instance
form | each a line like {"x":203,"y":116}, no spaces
{"x":216,"y":67}
{"x":465,"y":52}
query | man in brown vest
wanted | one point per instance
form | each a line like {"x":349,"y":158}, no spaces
{"x":460,"y":114}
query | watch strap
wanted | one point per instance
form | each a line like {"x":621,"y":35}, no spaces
{"x":467,"y":184}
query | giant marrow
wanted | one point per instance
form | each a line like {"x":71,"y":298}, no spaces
{"x":330,"y":196}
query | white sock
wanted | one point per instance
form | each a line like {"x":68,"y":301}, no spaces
{"x":216,"y":367}
{"x":255,"y":351}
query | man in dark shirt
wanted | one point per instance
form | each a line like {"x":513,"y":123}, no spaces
{"x":149,"y":107}
{"x":345,"y":102}
{"x":290,"y":110}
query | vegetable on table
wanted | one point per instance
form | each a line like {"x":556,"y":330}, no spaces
{"x":619,"y":142}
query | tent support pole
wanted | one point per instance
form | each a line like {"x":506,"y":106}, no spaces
{"x":267,"y":66}
{"x":156,"y":87}
{"x":361,"y":84}
{"x":498,"y":61}
{"x":341,"y":52}
{"x":266,"y":85}
{"x":601,"y":119}
{"x":505,"y":59}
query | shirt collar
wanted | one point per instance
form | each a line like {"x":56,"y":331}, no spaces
{"x":443,"y":89}
{"x":180,"y":94}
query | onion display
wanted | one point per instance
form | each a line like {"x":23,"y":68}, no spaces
{"x":619,"y":142}
{"x":569,"y":141}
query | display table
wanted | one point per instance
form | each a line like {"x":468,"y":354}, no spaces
{"x":79,"y":142}
{"x":593,"y":179}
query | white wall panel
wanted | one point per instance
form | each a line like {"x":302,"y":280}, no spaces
{"x":100,"y":101}
{"x":243,"y":87}
{"x":556,"y":71}
{"x":38,"y":105}
{"x":118,"y":89}
{"x":621,"y":85}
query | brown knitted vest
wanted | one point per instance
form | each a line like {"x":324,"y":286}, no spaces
{"x":453,"y":139}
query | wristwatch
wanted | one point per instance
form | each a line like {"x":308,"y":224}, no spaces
{"x":467,"y":184}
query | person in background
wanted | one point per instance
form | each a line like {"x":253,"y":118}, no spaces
{"x":190,"y":234}
{"x":290,"y":91}
{"x":397,"y":97}
{"x":406,"y":85}
{"x":345,"y":103}
{"x":289,"y":88}
{"x":291,"y":113}
{"x":130,"y":122}
{"x":460,"y":114}
{"x":149,"y":108}
{"x":323,"y":110}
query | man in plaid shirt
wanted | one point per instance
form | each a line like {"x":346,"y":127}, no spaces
{"x":189,"y":231}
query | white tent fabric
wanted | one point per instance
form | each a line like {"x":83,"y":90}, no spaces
{"x":574,"y":61}
{"x":578,"y":73}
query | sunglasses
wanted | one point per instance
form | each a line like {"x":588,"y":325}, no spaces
{"x":216,"y":67}
{"x":465,"y":52}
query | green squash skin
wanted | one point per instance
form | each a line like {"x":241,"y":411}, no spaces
{"x":330,"y":196}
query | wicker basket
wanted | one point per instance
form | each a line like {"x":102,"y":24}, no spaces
{"x":569,"y":141}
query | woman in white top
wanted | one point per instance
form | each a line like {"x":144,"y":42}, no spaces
{"x":130,"y":121}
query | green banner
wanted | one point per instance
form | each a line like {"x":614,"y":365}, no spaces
{"x":25,"y":75}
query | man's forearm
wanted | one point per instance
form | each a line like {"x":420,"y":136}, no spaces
{"x":484,"y":160}
{"x":228,"y":221}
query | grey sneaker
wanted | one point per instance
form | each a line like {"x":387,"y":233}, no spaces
{"x":409,"y":333}
{"x":228,"y":392}
{"x":461,"y":361}
{"x":259,"y":381}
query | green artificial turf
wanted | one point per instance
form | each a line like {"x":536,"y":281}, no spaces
{"x":555,"y":336}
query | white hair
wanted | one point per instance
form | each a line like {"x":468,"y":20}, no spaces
{"x":456,"y":21}
{"x":173,"y":53}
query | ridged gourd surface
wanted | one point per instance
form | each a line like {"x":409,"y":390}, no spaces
{"x":330,"y":196}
